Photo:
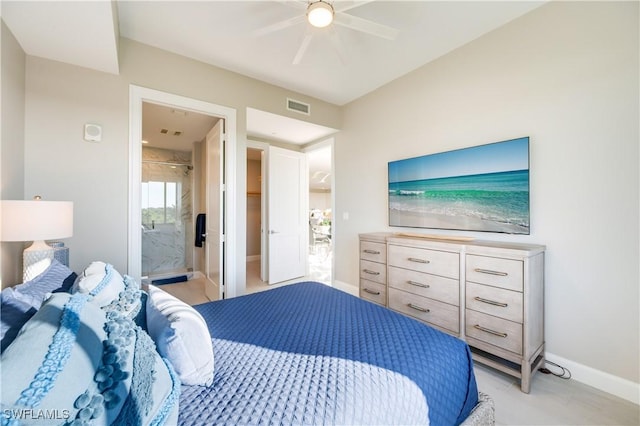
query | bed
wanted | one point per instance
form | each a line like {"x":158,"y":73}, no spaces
{"x":103,"y":352}
{"x":309,"y":354}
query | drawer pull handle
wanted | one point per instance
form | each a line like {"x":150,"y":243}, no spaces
{"x":417,"y":308}
{"x":491,"y":302}
{"x":370,"y":272}
{"x":490,"y":331}
{"x":371,"y":251}
{"x":417,"y":284}
{"x":490,"y":272}
{"x":416,"y":260}
{"x":376,"y":293}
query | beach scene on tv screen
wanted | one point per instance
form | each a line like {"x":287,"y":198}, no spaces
{"x":482,"y":188}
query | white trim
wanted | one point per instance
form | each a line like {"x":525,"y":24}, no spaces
{"x":138,"y":95}
{"x":601,"y":380}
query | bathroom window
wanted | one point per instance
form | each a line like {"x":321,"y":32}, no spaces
{"x":159,"y":203}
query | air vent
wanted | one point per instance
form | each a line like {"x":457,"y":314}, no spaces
{"x":297,"y":106}
{"x":171,"y":132}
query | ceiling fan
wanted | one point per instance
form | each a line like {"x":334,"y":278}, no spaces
{"x":323,"y":14}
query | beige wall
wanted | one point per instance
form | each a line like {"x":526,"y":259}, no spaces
{"x":60,"y":98}
{"x":12,"y":94}
{"x":567,"y":76}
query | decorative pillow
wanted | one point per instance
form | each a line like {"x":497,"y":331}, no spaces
{"x":181,"y":335}
{"x":101,"y":281}
{"x":129,"y":301}
{"x":56,"y":278}
{"x":72,"y":363}
{"x":14,"y":313}
{"x":54,"y":358}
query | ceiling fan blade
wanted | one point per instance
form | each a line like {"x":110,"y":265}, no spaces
{"x":343,"y":6}
{"x":365,"y":26}
{"x":338,"y":45}
{"x":279,"y":25}
{"x":303,"y":48}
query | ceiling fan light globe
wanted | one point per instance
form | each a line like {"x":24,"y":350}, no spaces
{"x":320,"y":14}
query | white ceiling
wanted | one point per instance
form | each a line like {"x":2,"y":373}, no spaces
{"x":78,"y":33}
{"x":222,"y":33}
{"x":183,"y":128}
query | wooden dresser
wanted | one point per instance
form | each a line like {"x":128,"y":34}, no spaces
{"x":490,"y":294}
{"x":373,"y":268}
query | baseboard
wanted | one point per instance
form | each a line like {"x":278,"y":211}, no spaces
{"x":346,"y":287}
{"x":625,"y":389}
{"x":622,"y":388}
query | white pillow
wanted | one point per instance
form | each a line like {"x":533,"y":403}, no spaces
{"x":103,"y":280}
{"x":181,"y":335}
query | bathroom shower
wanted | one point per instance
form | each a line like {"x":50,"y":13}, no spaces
{"x":166,"y":203}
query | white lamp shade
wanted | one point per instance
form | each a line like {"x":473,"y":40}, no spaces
{"x":36,"y":220}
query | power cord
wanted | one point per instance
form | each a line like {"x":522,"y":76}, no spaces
{"x":566,"y":374}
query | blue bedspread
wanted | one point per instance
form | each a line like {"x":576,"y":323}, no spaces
{"x":310,"y":354}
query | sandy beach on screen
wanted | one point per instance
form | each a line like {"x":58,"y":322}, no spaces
{"x":436,"y":221}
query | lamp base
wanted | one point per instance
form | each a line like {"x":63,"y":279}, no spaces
{"x":35,"y":259}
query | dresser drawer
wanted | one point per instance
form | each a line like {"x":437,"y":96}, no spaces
{"x":425,"y":309}
{"x":375,"y":252}
{"x":498,"y":302}
{"x":443,"y":263}
{"x":495,"y":331}
{"x":373,"y":271}
{"x":504,"y":273}
{"x":433,"y":286}
{"x":374,"y":292}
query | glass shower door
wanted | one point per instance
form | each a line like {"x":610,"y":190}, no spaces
{"x":165,"y":220}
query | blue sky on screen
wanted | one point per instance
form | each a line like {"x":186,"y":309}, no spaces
{"x":491,"y":158}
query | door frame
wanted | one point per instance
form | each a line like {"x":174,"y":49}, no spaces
{"x":138,"y":95}
{"x":264,"y":251}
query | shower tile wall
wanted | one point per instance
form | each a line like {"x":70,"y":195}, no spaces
{"x":168,"y":247}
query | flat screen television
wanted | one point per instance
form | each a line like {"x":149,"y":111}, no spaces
{"x":482,"y":188}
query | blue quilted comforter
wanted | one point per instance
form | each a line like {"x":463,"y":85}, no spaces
{"x":310,"y":354}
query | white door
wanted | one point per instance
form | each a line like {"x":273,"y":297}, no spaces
{"x":287,"y":214}
{"x":214,"y":242}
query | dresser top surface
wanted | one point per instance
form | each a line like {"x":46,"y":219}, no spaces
{"x":453,"y":242}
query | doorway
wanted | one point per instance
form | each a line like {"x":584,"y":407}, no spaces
{"x":321,"y":196}
{"x":173,"y":192}
{"x":227,"y":206}
{"x":317,"y":205}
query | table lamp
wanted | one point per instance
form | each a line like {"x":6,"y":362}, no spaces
{"x":36,"y":220}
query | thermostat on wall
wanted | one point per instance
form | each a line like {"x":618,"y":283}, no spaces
{"x":92,"y":132}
